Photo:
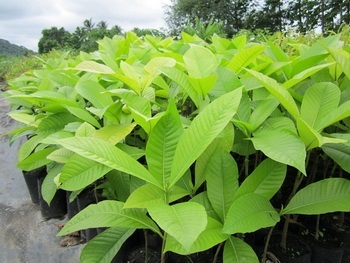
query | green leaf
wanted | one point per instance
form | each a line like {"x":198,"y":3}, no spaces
{"x":249,"y":213}
{"x":237,"y":251}
{"x":109,"y":213}
{"x":279,"y":92}
{"x":203,"y":85}
{"x":162,"y":143}
{"x":304,"y":74}
{"x":339,"y":152}
{"x":94,"y":93}
{"x":244,"y":57}
{"x":105,"y":153}
{"x":265,"y":180}
{"x":80,"y":172}
{"x":342,"y":112}
{"x":261,"y":112}
{"x":35,"y":160}
{"x":199,"y":61}
{"x":325,"y":196}
{"x":28,"y":147}
{"x":223,"y":141}
{"x":48,"y":187}
{"x":222,"y":182}
{"x":319,"y":100}
{"x":83,"y":115}
{"x":281,"y":145}
{"x":114,"y":133}
{"x":85,"y":130}
{"x":105,"y":246}
{"x":149,"y":195}
{"x":94,"y":67}
{"x":182,"y":80}
{"x":183,"y":221}
{"x":203,"y":130}
{"x":210,"y":237}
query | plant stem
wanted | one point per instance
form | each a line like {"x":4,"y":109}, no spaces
{"x":162,"y":259}
{"x":217,"y":252}
{"x":146,"y":245}
{"x":263,"y":259}
{"x":317,"y":234}
{"x":246,"y":166}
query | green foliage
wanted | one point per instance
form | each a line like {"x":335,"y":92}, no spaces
{"x":192,"y":140}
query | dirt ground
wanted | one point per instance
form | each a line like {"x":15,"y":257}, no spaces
{"x":25,"y":237}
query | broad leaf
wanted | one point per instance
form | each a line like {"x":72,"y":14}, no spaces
{"x":114,"y":133}
{"x":319,"y":100}
{"x":48,"y":187}
{"x":279,"y":92}
{"x":103,"y":152}
{"x":237,"y":251}
{"x":339,"y":152}
{"x":109,"y":214}
{"x":199,"y":61}
{"x":222,"y":182}
{"x":325,"y":196}
{"x":35,"y":160}
{"x":202,"y":131}
{"x":162,"y":143}
{"x":80,"y":172}
{"x":183,"y":221}
{"x":265,"y":180}
{"x":105,"y":246}
{"x":281,"y":145}
{"x":249,"y":213}
{"x":211,"y":236}
{"x":94,"y":67}
{"x":244,"y":57}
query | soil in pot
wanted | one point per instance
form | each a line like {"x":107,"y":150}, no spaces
{"x":58,"y":205}
{"x":298,"y":251}
{"x":31,"y":179}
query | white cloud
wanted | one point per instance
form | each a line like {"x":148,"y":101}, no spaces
{"x":21,"y":21}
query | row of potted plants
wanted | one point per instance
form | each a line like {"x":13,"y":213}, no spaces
{"x":199,"y":143}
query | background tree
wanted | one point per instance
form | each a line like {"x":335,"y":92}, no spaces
{"x":54,"y":38}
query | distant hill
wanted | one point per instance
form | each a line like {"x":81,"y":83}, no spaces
{"x":11,"y":49}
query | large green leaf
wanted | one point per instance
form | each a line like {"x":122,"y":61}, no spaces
{"x":114,"y":133}
{"x":199,"y":61}
{"x":281,"y":145}
{"x":105,"y":246}
{"x":319,"y":100}
{"x":35,"y":160}
{"x":223,"y":141}
{"x":94,"y":67}
{"x":48,"y":187}
{"x":325,"y":196}
{"x":94,"y":93}
{"x":304,"y":74}
{"x":28,"y":147}
{"x":203,"y":130}
{"x":265,"y":180}
{"x":162,"y":143}
{"x":109,"y":214}
{"x":237,"y":251}
{"x":249,"y":213}
{"x":149,"y":195}
{"x":183,"y":221}
{"x":262,"y":111}
{"x":279,"y":92}
{"x":339,"y":152}
{"x":340,"y":113}
{"x":222,"y":182}
{"x":211,"y":236}
{"x":80,"y":172}
{"x":244,"y":57}
{"x":105,"y":153}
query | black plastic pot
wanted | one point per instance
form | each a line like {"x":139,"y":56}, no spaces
{"x":85,"y":198}
{"x":72,"y":207}
{"x":344,"y":238}
{"x":58,"y":205}
{"x":326,"y":254}
{"x":31,"y":179}
{"x":298,"y":251}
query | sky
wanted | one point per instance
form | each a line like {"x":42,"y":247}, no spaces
{"x":21,"y":21}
